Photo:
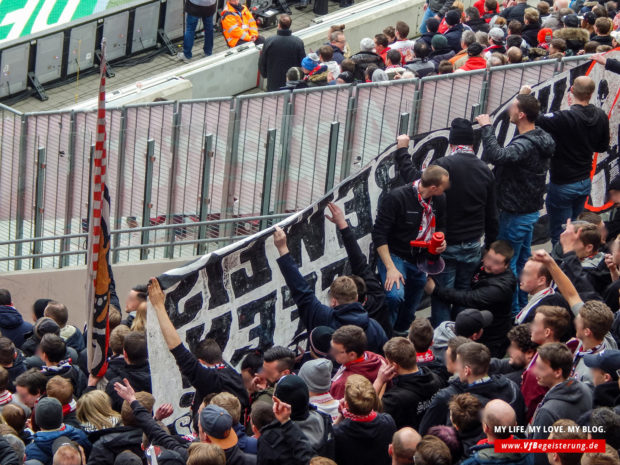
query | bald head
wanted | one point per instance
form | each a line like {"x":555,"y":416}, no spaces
{"x":404,"y":443}
{"x":498,"y":413}
{"x":559,"y":4}
{"x":583,"y":88}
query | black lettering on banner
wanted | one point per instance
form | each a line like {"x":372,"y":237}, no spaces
{"x":220,"y":329}
{"x":285,"y":292}
{"x":215,"y":281}
{"x":543,"y":98}
{"x":261,"y":272}
{"x":310,"y":231}
{"x":265,"y":307}
{"x":360,"y":205}
{"x":439,"y":147}
{"x":191,"y":307}
{"x":559,"y":89}
{"x":333,"y":270}
{"x":193,"y":336}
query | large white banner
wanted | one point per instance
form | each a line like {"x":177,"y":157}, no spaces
{"x":237,"y":294}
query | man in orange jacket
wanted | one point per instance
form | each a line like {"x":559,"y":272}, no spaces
{"x":238,"y":24}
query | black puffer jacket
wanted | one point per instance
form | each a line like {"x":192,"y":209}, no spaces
{"x":495,"y":387}
{"x":285,"y":443}
{"x":139,"y":377}
{"x":520,"y":168}
{"x":409,"y":397}
{"x":363,"y":60}
{"x":108,"y":443}
{"x":364,"y":443}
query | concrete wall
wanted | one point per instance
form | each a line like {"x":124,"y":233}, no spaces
{"x":68,"y":285}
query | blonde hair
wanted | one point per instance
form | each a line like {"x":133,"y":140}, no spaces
{"x":360,"y":396}
{"x":95,"y":407}
{"x":139,"y":322}
{"x":204,"y":453}
{"x":229,"y":403}
{"x":458,"y":5}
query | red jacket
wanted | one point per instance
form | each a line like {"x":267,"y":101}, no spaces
{"x":533,"y":392}
{"x":367,"y":365}
{"x":479,"y":5}
{"x":473,"y":63}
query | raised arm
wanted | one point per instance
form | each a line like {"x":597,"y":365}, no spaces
{"x":492,"y":151}
{"x":565,"y":286}
{"x":158,"y":299}
{"x":408,"y":172}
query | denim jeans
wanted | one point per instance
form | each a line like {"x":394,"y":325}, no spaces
{"x":402,"y":303}
{"x":461,"y":262}
{"x":517,"y":229}
{"x":427,"y":15}
{"x":191,"y":22}
{"x":565,"y":201}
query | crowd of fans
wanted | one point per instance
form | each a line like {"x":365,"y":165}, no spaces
{"x":514,"y":338}
{"x":454,"y":39}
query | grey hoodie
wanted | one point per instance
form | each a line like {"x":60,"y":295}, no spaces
{"x":442,"y":335}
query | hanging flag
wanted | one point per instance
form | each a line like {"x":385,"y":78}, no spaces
{"x":99,"y":269}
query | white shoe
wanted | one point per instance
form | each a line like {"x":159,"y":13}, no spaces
{"x":181,"y":57}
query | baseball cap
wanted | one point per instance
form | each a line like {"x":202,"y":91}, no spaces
{"x":470,"y":321}
{"x":607,"y":361}
{"x":589,"y":17}
{"x":320,"y":339}
{"x":496,"y":34}
{"x":571,"y":20}
{"x":217,"y":424}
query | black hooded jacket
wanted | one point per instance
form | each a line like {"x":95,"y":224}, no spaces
{"x":283,"y":443}
{"x":363,"y":60}
{"x":520,"y":168}
{"x":139,"y":377}
{"x":364,"y":443}
{"x":108,"y":443}
{"x":409,"y":397}
{"x":578,"y":133}
{"x":495,"y":387}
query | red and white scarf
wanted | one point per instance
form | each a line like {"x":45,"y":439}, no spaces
{"x":427,"y":225}
{"x":462,"y":149}
{"x":359,"y":418}
{"x":68,"y":408}
{"x":427,"y":356}
{"x":6,"y":397}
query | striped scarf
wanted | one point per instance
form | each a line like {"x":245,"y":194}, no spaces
{"x":359,"y":418}
{"x":6,"y":397}
{"x":427,"y":225}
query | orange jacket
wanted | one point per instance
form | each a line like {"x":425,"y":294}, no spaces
{"x":238,"y":26}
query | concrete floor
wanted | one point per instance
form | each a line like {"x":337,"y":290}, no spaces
{"x":66,"y":95}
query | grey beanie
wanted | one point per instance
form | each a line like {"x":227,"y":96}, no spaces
{"x":317,"y":374}
{"x":48,"y":413}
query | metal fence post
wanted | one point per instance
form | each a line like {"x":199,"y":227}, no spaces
{"x":415,"y":112}
{"x":170,"y":234}
{"x":207,"y":155}
{"x":148,"y":185}
{"x":349,"y":133}
{"x":39,"y":207}
{"x":484,"y":92}
{"x":230,"y":175}
{"x":21,"y":190}
{"x":268,"y":176}
{"x":332,"y":155}
{"x":120,"y":178}
{"x":285,"y":159}
{"x":65,"y":244}
{"x":403,"y":124}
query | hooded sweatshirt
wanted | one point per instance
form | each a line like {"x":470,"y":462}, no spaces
{"x":409,"y":397}
{"x":367,"y":365}
{"x":13,"y":326}
{"x":41,"y":446}
{"x":364,"y":442}
{"x":520,"y":168}
{"x":578,"y":133}
{"x":570,"y":399}
{"x":484,"y":454}
{"x":313,"y":313}
{"x":493,"y":387}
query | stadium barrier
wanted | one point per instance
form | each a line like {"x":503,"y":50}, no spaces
{"x":190,"y":176}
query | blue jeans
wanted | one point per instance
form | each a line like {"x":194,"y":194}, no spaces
{"x":191,"y":23}
{"x":461,"y":262}
{"x":565,"y":201}
{"x":427,"y":15}
{"x":402,"y":303}
{"x":517,"y":229}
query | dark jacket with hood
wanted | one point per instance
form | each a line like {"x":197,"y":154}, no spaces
{"x":363,"y":60}
{"x":109,"y":442}
{"x":437,"y":56}
{"x":139,"y":377}
{"x":578,"y":133}
{"x":338,"y":54}
{"x":491,"y":292}
{"x":530,"y":34}
{"x":409,"y":397}
{"x":17,"y":369}
{"x":516,"y":12}
{"x":313,"y":313}
{"x":70,"y":372}
{"x":495,"y":387}
{"x":602,"y":40}
{"x":209,"y":380}
{"x":440,"y":7}
{"x":454,"y":35}
{"x":283,"y":443}
{"x":374,"y":302}
{"x":606,"y":394}
{"x":7,"y":454}
{"x":364,"y":443}
{"x":41,"y":446}
{"x":318,"y":76}
{"x":575,"y":38}
{"x":13,"y":326}
{"x":478,"y":24}
{"x":421,"y":67}
{"x":520,"y":168}
{"x":484,"y":454}
{"x":280,"y":52}
{"x":570,"y":399}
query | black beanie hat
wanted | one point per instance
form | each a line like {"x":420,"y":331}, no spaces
{"x":292,"y":390}
{"x":461,"y":132}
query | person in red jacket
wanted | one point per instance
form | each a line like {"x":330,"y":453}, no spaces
{"x":348,"y":348}
{"x":475,"y":60}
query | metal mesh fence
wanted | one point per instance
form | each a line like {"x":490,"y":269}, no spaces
{"x":187,"y":177}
